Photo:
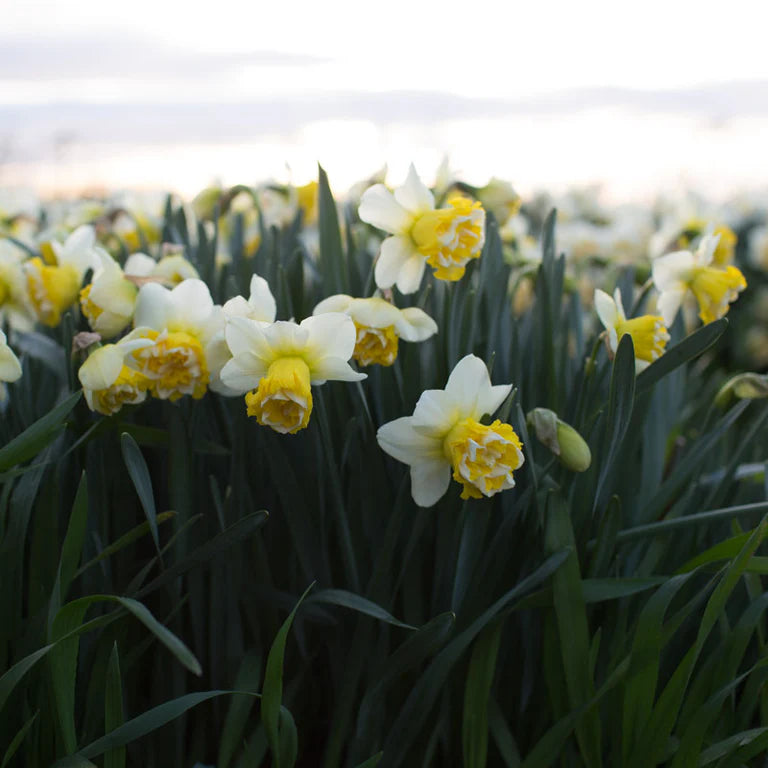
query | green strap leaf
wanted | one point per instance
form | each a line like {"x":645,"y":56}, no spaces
{"x":113,"y":709}
{"x":357,"y":603}
{"x":139,"y":474}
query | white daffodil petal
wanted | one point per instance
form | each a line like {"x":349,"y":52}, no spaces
{"x":429,"y":482}
{"x":102,"y":367}
{"x":379,"y":208}
{"x":192,"y":305}
{"x":10,"y":367}
{"x":153,"y":307}
{"x":668,"y":270}
{"x":470,"y":387}
{"x":411,"y":274}
{"x":139,"y":265}
{"x":415,"y":324}
{"x":261,"y":300}
{"x":606,"y":308}
{"x":334,"y":369}
{"x":330,"y":335}
{"x":399,"y":439}
{"x":246,"y":336}
{"x":414,"y":195}
{"x":435,"y":413}
{"x":374,"y":312}
{"x":395,"y":252}
{"x":338,"y":303}
{"x":669,"y":302}
{"x":242,"y":374}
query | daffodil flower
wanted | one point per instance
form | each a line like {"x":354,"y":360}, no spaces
{"x":445,"y":238}
{"x":276,"y":365}
{"x":379,"y":326}
{"x":677,"y":274}
{"x":109,"y":299}
{"x":445,"y":433}
{"x":171,"y":269}
{"x":108,"y":383}
{"x":649,"y":335}
{"x":181,"y":322}
{"x":54,"y":288}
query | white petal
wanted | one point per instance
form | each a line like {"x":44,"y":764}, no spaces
{"x":192,"y":305}
{"x":668,"y":303}
{"x":619,"y":304}
{"x":338,"y":303}
{"x":334,"y":369}
{"x":411,"y":273}
{"x":415,"y":325}
{"x":606,"y":308}
{"x":379,"y":207}
{"x":399,"y":439}
{"x":671,"y":269}
{"x":414,"y":195}
{"x":330,"y":335}
{"x":374,"y":312}
{"x":245,"y":336}
{"x":435,"y":413}
{"x":706,"y":249}
{"x":102,"y":367}
{"x":262,"y":301}
{"x":429,"y":482}
{"x":240,"y":380}
{"x":10,"y":368}
{"x":139,"y":265}
{"x":395,"y":252}
{"x":470,"y":387}
{"x":81,"y":239}
{"x":153,"y":307}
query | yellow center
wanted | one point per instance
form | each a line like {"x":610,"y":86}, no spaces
{"x":483,"y":458}
{"x":307,"y":198}
{"x":450,"y":237}
{"x":52,"y":290}
{"x":5,"y":292}
{"x":714,"y":289}
{"x":375,"y":345}
{"x":649,"y":336}
{"x":129,"y":387}
{"x":89,"y":309}
{"x":175,"y":364}
{"x":283,"y":399}
{"x":726,"y":247}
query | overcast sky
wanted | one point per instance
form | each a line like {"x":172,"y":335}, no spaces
{"x":517,"y":89}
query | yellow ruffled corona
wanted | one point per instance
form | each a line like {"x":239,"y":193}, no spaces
{"x":129,"y":388}
{"x":451,"y":237}
{"x":649,"y":336}
{"x":483,"y":458}
{"x":52,"y":290}
{"x":715,"y":289}
{"x":283,"y":399}
{"x":174,"y":364}
{"x":375,"y":346}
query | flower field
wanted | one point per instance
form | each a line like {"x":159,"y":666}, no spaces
{"x":409,"y":477}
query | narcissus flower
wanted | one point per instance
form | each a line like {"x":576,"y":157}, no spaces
{"x":109,"y":299}
{"x":181,"y":322}
{"x":677,"y":274}
{"x":445,"y":238}
{"x":649,"y":335}
{"x":276,"y":364}
{"x":445,"y":433}
{"x":108,"y":383}
{"x":54,"y":288}
{"x":379,"y":326}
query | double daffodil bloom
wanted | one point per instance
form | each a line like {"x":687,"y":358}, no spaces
{"x":108,"y":383}
{"x":109,"y":299}
{"x":649,"y":335}
{"x":677,"y":274}
{"x":445,"y":238}
{"x":445,"y":433}
{"x":53,"y":288}
{"x":277,"y":364}
{"x":379,"y":326}
{"x":181,"y":322}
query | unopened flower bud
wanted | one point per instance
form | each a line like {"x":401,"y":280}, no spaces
{"x":745,"y":386}
{"x":561,"y":438}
